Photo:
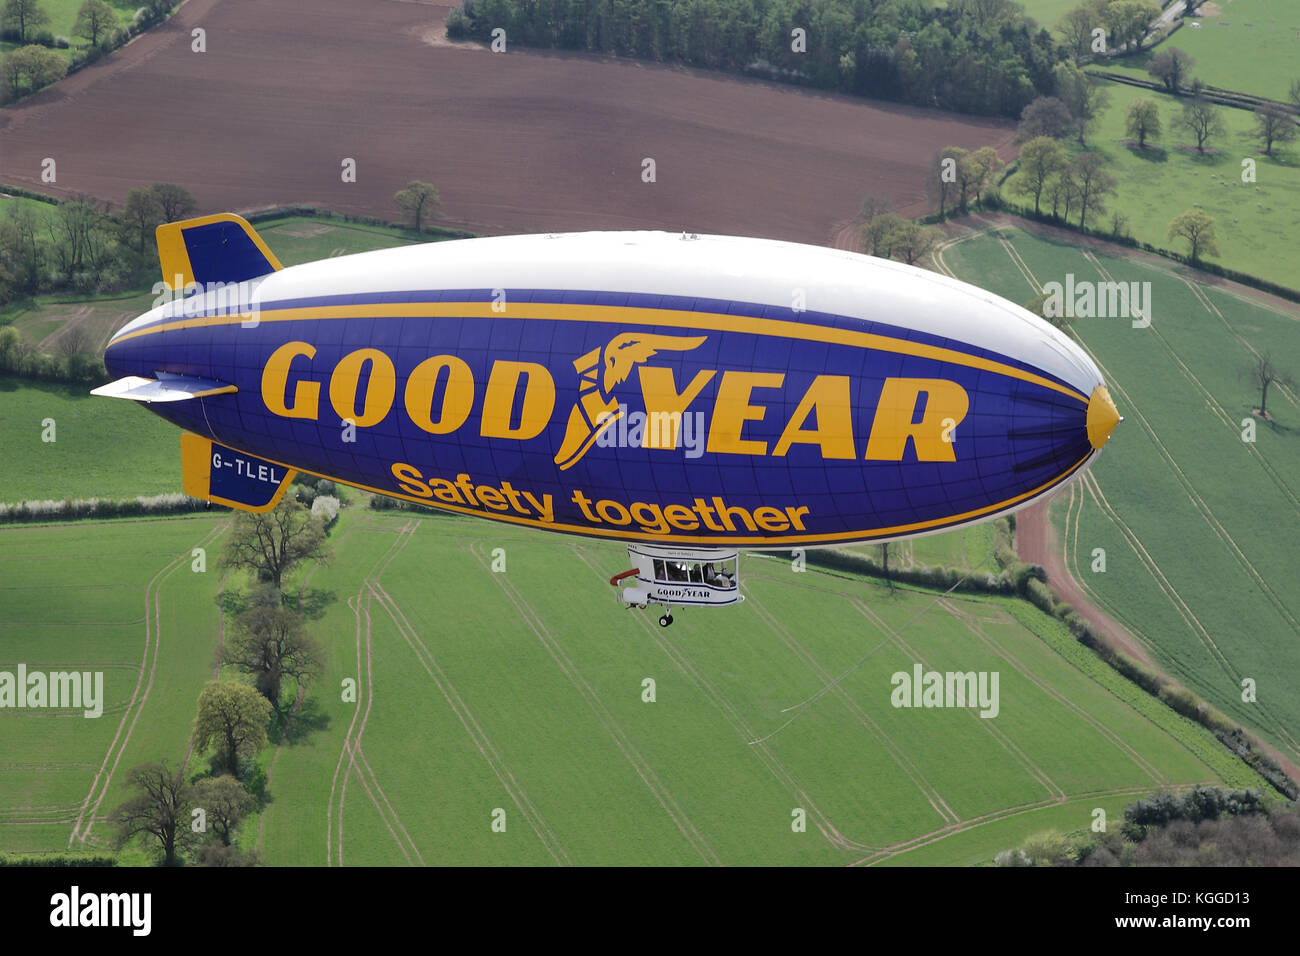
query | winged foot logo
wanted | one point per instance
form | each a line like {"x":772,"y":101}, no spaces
{"x":597,"y":410}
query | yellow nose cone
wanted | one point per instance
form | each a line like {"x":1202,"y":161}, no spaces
{"x":1103,"y":416}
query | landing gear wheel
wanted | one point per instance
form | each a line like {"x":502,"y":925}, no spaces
{"x":665,"y":620}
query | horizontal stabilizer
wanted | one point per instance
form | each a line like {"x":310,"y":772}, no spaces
{"x":164,"y":388}
{"x":214,"y":472}
{"x":222,"y":248}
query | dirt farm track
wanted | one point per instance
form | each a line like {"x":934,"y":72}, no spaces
{"x":516,"y":142}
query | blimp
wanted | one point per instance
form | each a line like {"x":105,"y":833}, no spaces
{"x":690,"y":396}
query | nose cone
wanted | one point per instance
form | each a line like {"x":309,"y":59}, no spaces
{"x":1103,"y":416}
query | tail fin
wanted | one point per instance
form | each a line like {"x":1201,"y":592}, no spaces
{"x":213,"y":472}
{"x":220,"y":248}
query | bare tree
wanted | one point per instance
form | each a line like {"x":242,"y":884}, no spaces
{"x":1274,"y":125}
{"x":272,"y":544}
{"x":160,"y":809}
{"x":1261,"y":373}
{"x":271,"y":644}
{"x":175,"y":201}
{"x":1202,"y":119}
{"x":1094,"y":183}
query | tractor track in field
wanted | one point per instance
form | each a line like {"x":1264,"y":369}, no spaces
{"x":1000,"y":736}
{"x":832,"y":683}
{"x":1089,"y":481}
{"x":1210,"y":307}
{"x":606,"y":719}
{"x":1058,"y":795}
{"x":1070,"y":584}
{"x":784,"y":775}
{"x":1211,"y":402}
{"x":352,"y":740}
{"x":139,"y":695}
{"x":550,"y":840}
{"x":972,"y":625}
{"x":975,"y":822}
{"x":372,"y":589}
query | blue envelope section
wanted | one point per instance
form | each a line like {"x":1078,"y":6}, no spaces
{"x":214,"y":472}
{"x":1024,"y":430}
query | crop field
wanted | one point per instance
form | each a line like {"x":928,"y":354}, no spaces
{"x":101,"y":448}
{"x":506,"y":139}
{"x":1254,"y":221}
{"x":119,"y":598}
{"x":297,"y":239}
{"x":1198,"y":525}
{"x":522,"y":691}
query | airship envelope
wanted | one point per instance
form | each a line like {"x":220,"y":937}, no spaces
{"x":687,"y":394}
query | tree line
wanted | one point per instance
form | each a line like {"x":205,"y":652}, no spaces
{"x":195,"y":817}
{"x":970,"y":56}
{"x":35,"y":63}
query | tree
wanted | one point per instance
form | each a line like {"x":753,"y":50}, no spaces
{"x":1294,"y":92}
{"x":232,"y":717}
{"x":1170,"y":66}
{"x":270,"y":643}
{"x":160,"y":809}
{"x":974,"y":172}
{"x":272,"y":544}
{"x":1082,"y":95}
{"x":224,"y":802}
{"x":1202,"y":119}
{"x":1063,"y":191}
{"x":1128,"y":21}
{"x":911,"y":241}
{"x":879,"y":234}
{"x":1040,"y":159}
{"x":175,"y":201}
{"x":1045,"y":116}
{"x":25,"y":16}
{"x":1262,"y":373}
{"x":418,"y":200}
{"x":871,"y":207}
{"x":74,"y":341}
{"x":1274,"y":125}
{"x":1143,"y":121}
{"x":1198,"y":229}
{"x":1076,"y":29}
{"x":141,"y":214}
{"x":1093,"y":183}
{"x":34,"y":66}
{"x":942,"y":177}
{"x":95,"y":19}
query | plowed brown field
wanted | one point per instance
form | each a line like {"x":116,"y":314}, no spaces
{"x":524,"y":141}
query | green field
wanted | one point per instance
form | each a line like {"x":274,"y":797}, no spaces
{"x":79,"y":596}
{"x":1255,"y":222}
{"x":298,"y":239}
{"x":102,"y":448}
{"x":1198,"y":526}
{"x":523,"y":691}
{"x":1252,"y":46}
